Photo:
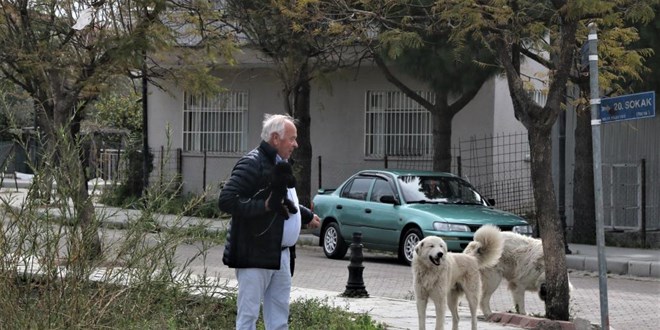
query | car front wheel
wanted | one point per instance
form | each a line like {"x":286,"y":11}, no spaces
{"x":408,"y":243}
{"x":334,"y":246}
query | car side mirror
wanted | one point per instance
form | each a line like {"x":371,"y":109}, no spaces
{"x":491,"y":201}
{"x":389,"y":199}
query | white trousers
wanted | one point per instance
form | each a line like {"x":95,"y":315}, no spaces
{"x":267,"y":286}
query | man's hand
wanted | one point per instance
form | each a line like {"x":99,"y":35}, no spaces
{"x":315,"y":223}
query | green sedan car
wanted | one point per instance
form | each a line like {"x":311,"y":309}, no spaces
{"x":395,"y":209}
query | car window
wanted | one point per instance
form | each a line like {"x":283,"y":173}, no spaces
{"x":438,"y":189}
{"x":466,"y":193}
{"x":381,"y":188}
{"x":358,"y":188}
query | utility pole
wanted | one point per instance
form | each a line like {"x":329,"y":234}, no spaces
{"x":598,"y":174}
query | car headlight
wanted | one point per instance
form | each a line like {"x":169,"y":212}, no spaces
{"x":443,"y":226}
{"x":524,"y":230}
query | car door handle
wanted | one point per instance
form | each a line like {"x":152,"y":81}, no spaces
{"x":367,"y":210}
{"x":339,"y":207}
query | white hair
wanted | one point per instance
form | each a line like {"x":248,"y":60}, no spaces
{"x":274,"y":124}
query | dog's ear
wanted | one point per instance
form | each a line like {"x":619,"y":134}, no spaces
{"x":418,"y":246}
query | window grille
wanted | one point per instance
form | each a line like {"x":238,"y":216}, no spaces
{"x":395,"y":125}
{"x":539,"y":96}
{"x":215,"y":123}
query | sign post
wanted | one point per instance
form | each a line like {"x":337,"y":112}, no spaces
{"x":595,"y":101}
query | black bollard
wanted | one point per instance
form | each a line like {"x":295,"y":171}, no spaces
{"x":355,"y":286}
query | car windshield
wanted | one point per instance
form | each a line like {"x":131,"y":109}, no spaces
{"x":438,"y":189}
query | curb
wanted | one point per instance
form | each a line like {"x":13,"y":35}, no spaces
{"x":617,"y":266}
{"x":578,"y":262}
{"x":530,"y":322}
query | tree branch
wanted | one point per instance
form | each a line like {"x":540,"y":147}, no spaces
{"x":466,"y":97}
{"x":399,"y":84}
{"x":546,"y":63}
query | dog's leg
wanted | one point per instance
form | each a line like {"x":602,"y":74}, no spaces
{"x":518,"y":294}
{"x":422,"y":300}
{"x":473,"y":302}
{"x":452,"y":302}
{"x":491,"y":280}
{"x":440,"y":309}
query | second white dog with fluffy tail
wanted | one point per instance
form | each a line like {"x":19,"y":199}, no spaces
{"x":521,"y":265}
{"x":443,"y":276}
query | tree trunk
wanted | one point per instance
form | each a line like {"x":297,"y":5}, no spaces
{"x":303,"y":154}
{"x":442,"y":118}
{"x":584,"y":214}
{"x":551,"y":231}
{"x":73,"y":177}
{"x":85,"y":208}
{"x":91,"y":248}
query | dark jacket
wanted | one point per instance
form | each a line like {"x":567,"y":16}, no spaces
{"x":255,"y":235}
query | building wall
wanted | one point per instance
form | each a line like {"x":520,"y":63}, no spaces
{"x":338,"y":123}
{"x":623,"y":146}
{"x":337,"y":126}
{"x":478,"y":117}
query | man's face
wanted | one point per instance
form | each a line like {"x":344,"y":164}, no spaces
{"x":287,"y":143}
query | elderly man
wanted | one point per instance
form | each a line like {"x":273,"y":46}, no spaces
{"x":261,"y":241}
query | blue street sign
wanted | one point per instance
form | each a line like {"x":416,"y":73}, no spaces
{"x":627,"y":107}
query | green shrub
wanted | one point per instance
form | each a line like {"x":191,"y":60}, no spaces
{"x":149,"y":305}
{"x":318,"y":314}
{"x":53,"y":276}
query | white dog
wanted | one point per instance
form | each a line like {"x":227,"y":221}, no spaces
{"x":521,"y":264}
{"x":443,"y":277}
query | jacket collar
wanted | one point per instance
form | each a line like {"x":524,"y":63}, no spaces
{"x":271,"y":152}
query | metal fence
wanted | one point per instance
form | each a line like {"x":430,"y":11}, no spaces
{"x":112,"y":165}
{"x":109,"y":165}
{"x":497,"y":165}
{"x":167,"y":167}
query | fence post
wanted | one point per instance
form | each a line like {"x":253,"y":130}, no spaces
{"x":320,"y":172}
{"x":643,"y":201}
{"x":160,"y":166}
{"x":117,"y":168}
{"x":179,"y":167}
{"x":458,"y":166}
{"x":385,"y":160}
{"x":204,"y":173}
{"x":179,"y":162}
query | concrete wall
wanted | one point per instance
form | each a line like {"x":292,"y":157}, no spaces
{"x":337,"y":126}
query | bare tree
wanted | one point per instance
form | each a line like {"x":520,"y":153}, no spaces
{"x":63,"y":52}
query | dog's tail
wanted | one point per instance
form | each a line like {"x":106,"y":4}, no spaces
{"x":487,"y":246}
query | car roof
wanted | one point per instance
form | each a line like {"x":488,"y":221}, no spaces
{"x":406,"y":172}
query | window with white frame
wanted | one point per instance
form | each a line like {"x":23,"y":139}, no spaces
{"x":396,"y":125}
{"x":215,"y":123}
